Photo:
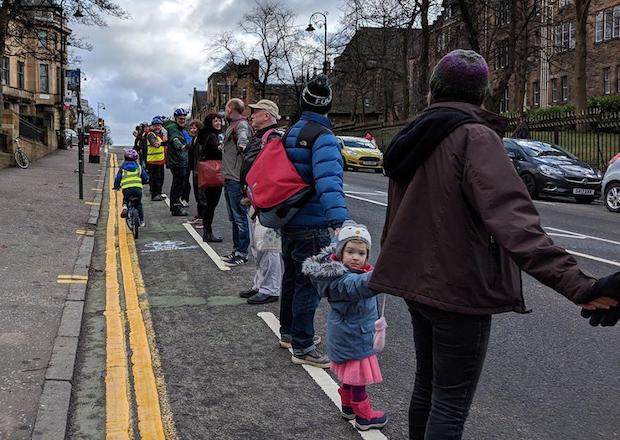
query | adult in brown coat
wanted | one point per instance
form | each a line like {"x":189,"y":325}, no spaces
{"x":462,"y":221}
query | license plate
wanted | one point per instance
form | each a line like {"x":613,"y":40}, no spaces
{"x":367,"y":162}
{"x":583,"y":192}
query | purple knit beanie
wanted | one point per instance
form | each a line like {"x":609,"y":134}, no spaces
{"x":461,"y":75}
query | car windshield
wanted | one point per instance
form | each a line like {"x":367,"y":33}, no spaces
{"x":358,"y":143}
{"x":539,"y":149}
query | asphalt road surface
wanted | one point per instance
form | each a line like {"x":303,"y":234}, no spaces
{"x":221,"y":374}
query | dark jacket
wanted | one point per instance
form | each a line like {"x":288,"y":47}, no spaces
{"x":457,"y":233}
{"x":176,"y":151}
{"x":208,"y":146}
{"x":351,"y":321}
{"x":320,"y":166}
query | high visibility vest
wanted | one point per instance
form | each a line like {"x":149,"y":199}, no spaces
{"x":131,"y":179}
{"x":156,"y":155}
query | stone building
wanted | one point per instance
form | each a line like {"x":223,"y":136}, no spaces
{"x":30,"y":76}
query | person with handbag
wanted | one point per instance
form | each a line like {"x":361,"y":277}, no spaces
{"x":193,"y":128}
{"x":210,"y":180}
{"x":341,"y":273}
{"x":265,"y":243}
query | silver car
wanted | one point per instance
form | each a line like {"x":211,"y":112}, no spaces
{"x":611,"y":185}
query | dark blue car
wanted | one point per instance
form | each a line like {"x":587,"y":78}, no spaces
{"x":548,"y":169}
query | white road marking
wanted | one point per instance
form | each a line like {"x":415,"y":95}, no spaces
{"x":583,"y":235}
{"x":556,"y":234}
{"x":362,"y":193}
{"x":365,"y":200}
{"x":592,"y":257}
{"x":544,"y":203}
{"x":167,"y":201}
{"x":320,"y":376}
{"x":205,"y":247}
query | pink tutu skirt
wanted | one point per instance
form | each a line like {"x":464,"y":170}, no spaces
{"x":358,"y":372}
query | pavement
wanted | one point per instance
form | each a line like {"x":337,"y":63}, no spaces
{"x":220,"y":373}
{"x":43,"y":271}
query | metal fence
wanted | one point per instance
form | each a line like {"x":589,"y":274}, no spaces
{"x":594,"y":137}
{"x":33,"y":128}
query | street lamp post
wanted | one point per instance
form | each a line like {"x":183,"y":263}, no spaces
{"x":311,"y":28}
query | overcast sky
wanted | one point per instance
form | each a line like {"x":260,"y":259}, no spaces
{"x":149,"y":64}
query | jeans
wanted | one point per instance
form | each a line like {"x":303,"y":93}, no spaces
{"x":156,"y":178}
{"x":238,"y":215}
{"x":450,"y":351}
{"x":299,"y":299}
{"x":178,"y":184}
{"x":137,"y":194}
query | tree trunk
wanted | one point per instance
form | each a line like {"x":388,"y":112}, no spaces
{"x":582,"y":7}
{"x":424,"y":57}
{"x":404,"y":77}
{"x":470,"y":16}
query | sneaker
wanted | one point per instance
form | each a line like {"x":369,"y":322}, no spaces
{"x":184,"y":203}
{"x":262,"y":298}
{"x":286,"y":341}
{"x":236,"y":260}
{"x":228,"y":257}
{"x":248,"y":293}
{"x":124,"y":211}
{"x":163,"y":196}
{"x":314,"y":358}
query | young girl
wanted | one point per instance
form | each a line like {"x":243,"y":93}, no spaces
{"x":341,"y":273}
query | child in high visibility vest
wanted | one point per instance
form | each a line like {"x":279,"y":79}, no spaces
{"x":131,"y":178}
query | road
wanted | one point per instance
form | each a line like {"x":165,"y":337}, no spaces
{"x":220,"y":373}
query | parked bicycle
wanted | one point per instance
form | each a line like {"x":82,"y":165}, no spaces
{"x":133,"y":218}
{"x":21,"y":159}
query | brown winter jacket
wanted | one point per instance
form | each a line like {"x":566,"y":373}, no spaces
{"x":457,"y":233}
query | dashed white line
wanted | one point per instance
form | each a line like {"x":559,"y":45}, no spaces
{"x":583,"y":235}
{"x":348,"y":194}
{"x":592,"y":257}
{"x":205,"y":247}
{"x":320,"y":376}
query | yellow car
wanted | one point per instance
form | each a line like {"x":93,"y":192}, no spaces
{"x":359,"y":153}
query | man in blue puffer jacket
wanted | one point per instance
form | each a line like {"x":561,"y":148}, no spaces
{"x":319,"y":164}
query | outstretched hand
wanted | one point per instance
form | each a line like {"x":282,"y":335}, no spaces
{"x":602,"y":302}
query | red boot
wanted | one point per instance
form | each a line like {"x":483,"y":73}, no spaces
{"x":366,"y":417}
{"x":345,"y":400}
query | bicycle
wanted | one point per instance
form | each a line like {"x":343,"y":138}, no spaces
{"x":133,"y":218}
{"x":21,"y":159}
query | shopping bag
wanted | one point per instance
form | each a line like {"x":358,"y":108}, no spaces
{"x":380,"y":326}
{"x":210,"y":174}
{"x":266,"y":239}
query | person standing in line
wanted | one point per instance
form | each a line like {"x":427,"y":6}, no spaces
{"x":156,"y":157}
{"x":193,"y":155}
{"x":455,"y":196}
{"x":341,"y":274}
{"x":209,"y":145}
{"x":268,"y":277}
{"x":235,"y":141}
{"x":187,"y":186}
{"x":177,"y":160}
{"x":315,"y":152}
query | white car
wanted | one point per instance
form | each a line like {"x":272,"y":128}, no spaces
{"x":611,"y":185}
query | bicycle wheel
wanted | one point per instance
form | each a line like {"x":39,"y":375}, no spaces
{"x":136,"y":223}
{"x":21,"y":159}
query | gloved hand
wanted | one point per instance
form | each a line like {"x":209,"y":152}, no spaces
{"x":605,"y":318}
{"x":608,"y":286}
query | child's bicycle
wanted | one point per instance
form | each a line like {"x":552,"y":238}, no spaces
{"x":133,"y":218}
{"x":21,"y":159}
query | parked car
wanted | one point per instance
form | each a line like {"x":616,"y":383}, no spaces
{"x":548,"y":169}
{"x":611,"y":185}
{"x":359,"y":153}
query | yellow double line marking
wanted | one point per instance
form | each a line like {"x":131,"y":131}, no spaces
{"x":144,"y":385}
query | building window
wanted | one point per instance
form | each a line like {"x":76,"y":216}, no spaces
{"x":565,"y":37}
{"x":598,"y":33}
{"x":535,"y":93}
{"x":609,"y":23}
{"x":42,"y":38}
{"x":618,"y":78}
{"x":564,"y":86}
{"x":606,"y":81}
{"x":21,"y":78}
{"x":616,"y":33}
{"x":502,"y":58}
{"x":554,"y":90}
{"x":441,"y":43}
{"x":44,"y":79}
{"x":503,"y":103}
{"x":564,"y":3}
{"x":244,"y":93}
{"x":6,"y":71}
{"x":503,"y":14}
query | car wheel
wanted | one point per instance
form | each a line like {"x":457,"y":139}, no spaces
{"x":530,"y":184}
{"x":584,"y":200}
{"x":612,"y":197}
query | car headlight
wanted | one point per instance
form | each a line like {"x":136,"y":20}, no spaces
{"x":550,"y":171}
{"x":352,"y":153}
{"x":599,"y":174}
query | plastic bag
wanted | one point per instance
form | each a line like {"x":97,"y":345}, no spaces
{"x":380,"y":326}
{"x":266,"y":239}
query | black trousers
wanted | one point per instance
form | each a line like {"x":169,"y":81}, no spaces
{"x":156,"y":178}
{"x":187,"y":187}
{"x":176,"y":189}
{"x":199,"y":195}
{"x":450,"y":351}
{"x":210,"y":197}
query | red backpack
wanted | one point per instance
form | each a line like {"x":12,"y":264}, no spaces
{"x":274,"y":187}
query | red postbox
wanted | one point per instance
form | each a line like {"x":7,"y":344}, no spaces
{"x":95,"y":142}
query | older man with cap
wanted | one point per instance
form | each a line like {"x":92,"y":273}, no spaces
{"x":268,"y":278}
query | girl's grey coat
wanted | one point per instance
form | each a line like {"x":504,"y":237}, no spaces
{"x":351,"y":321}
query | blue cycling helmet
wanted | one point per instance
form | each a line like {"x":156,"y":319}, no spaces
{"x":180,"y":112}
{"x":157,"y":120}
